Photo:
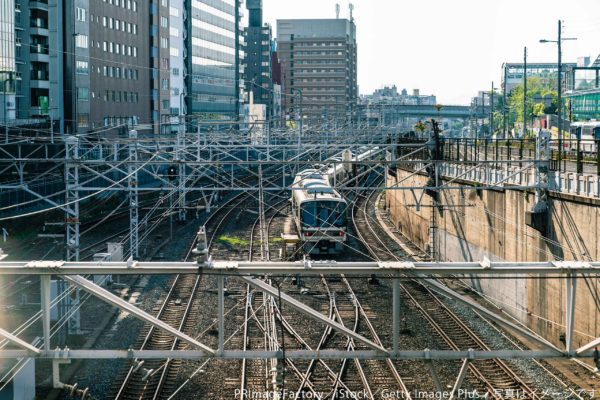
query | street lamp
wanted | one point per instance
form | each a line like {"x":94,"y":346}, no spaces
{"x":559,"y":87}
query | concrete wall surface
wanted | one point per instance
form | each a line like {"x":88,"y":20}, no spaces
{"x":473,"y":224}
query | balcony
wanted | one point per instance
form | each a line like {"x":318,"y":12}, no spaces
{"x":39,"y":53}
{"x":39,"y":5}
{"x":40,"y":79}
{"x":39,"y":26}
{"x":41,"y":23}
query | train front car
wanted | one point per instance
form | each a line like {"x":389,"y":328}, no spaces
{"x":319,"y":213}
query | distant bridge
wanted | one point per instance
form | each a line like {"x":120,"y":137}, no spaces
{"x":418,"y":111}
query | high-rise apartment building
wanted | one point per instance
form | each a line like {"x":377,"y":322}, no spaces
{"x":177,"y":52}
{"x":160,"y":64}
{"x":319,"y":74}
{"x":215,"y":87}
{"x":121,"y":78}
{"x":108,"y":65}
{"x":7,"y":59}
{"x":38,"y":50}
{"x":258,"y":71}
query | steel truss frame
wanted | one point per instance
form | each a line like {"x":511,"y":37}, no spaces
{"x":423,"y":271}
{"x":207,"y":163}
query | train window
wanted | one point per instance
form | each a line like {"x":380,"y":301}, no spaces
{"x":309,"y":214}
{"x":597,"y":133}
{"x":324,"y":214}
{"x":337,"y":214}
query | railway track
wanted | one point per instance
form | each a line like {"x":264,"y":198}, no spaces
{"x":149,"y":380}
{"x":492,"y":376}
{"x":267,"y":329}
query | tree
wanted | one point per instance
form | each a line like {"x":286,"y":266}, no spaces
{"x":534,"y":87}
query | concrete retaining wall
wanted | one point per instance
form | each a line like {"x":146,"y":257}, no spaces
{"x":474,"y":224}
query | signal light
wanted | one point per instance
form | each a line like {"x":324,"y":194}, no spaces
{"x":172,"y":172}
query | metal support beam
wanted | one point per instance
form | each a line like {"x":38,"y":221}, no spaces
{"x":69,"y":305}
{"x":45,"y":300}
{"x":311,"y":313}
{"x":21,"y":343}
{"x":72,"y":197}
{"x":110,"y":298}
{"x":409,"y":270}
{"x":396,"y":314}
{"x":586,"y":348}
{"x":436,"y":286}
{"x":571,"y":283}
{"x":180,"y":157}
{"x":434,"y":376}
{"x":221,"y":316}
{"x":132,"y":184}
{"x":459,"y":380}
{"x":422,"y":355}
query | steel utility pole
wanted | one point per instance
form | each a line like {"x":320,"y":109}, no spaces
{"x":524,"y":91}
{"x":559,"y":86}
{"x":559,"y":93}
{"x":492,"y":110}
{"x":504,"y":106}
{"x":299,"y":91}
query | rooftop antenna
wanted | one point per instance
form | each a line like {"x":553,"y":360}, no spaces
{"x":351,"y":7}
{"x":337,"y":11}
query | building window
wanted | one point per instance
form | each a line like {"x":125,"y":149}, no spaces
{"x":175,"y":71}
{"x":83,"y":94}
{"x":164,"y":22}
{"x":165,"y":104}
{"x":164,"y":42}
{"x":165,"y":84}
{"x":83,"y":120}
{"x":174,"y":51}
{"x":81,"y":14}
{"x":81,"y":41}
{"x":82,"y":67}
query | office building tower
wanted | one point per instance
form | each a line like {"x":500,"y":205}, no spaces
{"x":7,"y":59}
{"x":259,"y":49}
{"x":318,"y":59}
{"x":177,"y":52}
{"x":215,"y":87}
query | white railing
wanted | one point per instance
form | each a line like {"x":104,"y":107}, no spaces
{"x":586,"y":185}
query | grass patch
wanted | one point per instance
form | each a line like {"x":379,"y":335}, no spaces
{"x":233,"y":241}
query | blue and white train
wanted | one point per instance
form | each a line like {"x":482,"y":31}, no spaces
{"x":319,"y":211}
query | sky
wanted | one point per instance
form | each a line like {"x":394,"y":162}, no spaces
{"x":452,"y":48}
